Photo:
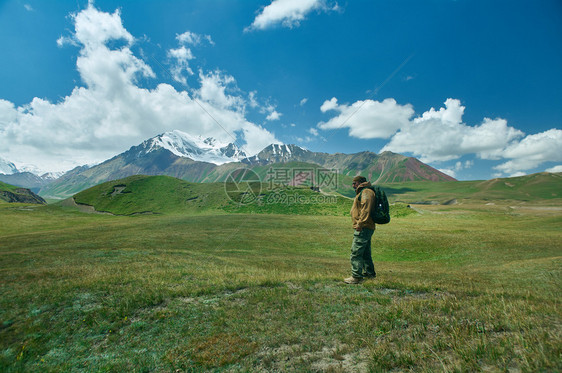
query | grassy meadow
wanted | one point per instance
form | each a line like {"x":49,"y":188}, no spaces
{"x":466,"y":287}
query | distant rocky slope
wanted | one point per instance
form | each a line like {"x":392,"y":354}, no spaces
{"x":386,"y":167}
{"x":199,"y":160}
{"x":11,"y":194}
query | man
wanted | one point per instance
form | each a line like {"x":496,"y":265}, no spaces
{"x":361,"y":261}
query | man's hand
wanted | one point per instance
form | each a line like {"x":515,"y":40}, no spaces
{"x":358,"y":229}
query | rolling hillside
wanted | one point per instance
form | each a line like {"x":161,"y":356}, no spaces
{"x":10,"y":194}
{"x":143,"y":194}
{"x":537,"y":188}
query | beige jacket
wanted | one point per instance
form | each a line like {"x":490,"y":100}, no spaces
{"x":361,"y":209}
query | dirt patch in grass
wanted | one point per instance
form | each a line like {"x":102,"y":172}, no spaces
{"x":213,"y":351}
{"x":335,"y":358}
{"x":70,"y":202}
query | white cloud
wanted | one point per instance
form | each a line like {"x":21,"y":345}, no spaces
{"x":111,"y":112}
{"x":274,"y":115}
{"x":554,"y":169}
{"x":271,"y":110}
{"x":8,"y":113}
{"x":94,"y":28}
{"x":458,"y":167}
{"x":448,"y":171}
{"x":253,"y":102}
{"x":28,"y":7}
{"x":191,"y":38}
{"x":316,"y":135}
{"x":288,"y":13}
{"x":332,"y":104}
{"x":440,"y":135}
{"x":303,"y":101}
{"x":532,"y":151}
{"x":257,"y":138}
{"x":213,"y":90}
{"x":368,"y":119}
{"x":181,"y":57}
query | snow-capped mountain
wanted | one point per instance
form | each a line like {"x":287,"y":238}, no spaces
{"x":7,"y":167}
{"x":196,"y":148}
{"x":275,"y":153}
{"x":198,"y":159}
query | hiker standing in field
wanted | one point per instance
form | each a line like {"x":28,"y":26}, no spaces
{"x":361,"y":261}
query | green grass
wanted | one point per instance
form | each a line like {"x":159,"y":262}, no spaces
{"x":153,"y":194}
{"x":164,"y":194}
{"x":459,"y":288}
{"x":167,"y":195}
{"x":7,"y":187}
{"x":542,"y":187}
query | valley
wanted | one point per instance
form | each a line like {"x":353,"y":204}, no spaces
{"x":180,"y":278}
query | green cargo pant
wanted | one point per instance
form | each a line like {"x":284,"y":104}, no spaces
{"x":361,"y":260}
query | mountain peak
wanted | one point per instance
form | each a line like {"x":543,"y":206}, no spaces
{"x":278,"y":152}
{"x":197,"y":148}
{"x":7,"y":167}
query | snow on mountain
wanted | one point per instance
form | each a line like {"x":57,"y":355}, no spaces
{"x":32,"y":169}
{"x":279,"y":153}
{"x":197,"y":148}
{"x":52,"y":175}
{"x":7,"y":167}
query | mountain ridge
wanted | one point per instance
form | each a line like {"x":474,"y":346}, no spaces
{"x":198,"y":159}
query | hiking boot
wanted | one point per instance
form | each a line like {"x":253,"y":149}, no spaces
{"x":370,"y":277}
{"x":353,"y":280}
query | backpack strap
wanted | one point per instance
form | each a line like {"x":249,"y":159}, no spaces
{"x":362,"y":189}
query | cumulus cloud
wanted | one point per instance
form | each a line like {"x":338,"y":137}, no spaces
{"x":554,"y":169}
{"x":328,"y":105}
{"x":191,"y":38}
{"x":252,"y":100}
{"x":367,"y":119}
{"x":271,"y":110}
{"x":257,"y":138}
{"x":111,"y":112}
{"x":448,"y":171}
{"x":440,"y":135}
{"x":274,"y":115}
{"x":303,"y":101}
{"x":179,"y":57}
{"x":213,"y":90}
{"x":288,"y":13}
{"x":458,"y":167}
{"x":532,"y":151}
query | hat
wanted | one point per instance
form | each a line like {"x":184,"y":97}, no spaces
{"x":359,"y":179}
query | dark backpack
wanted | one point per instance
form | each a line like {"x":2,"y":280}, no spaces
{"x":380,"y":213}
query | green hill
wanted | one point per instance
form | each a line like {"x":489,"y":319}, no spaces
{"x":7,"y":187}
{"x":10,"y":193}
{"x":537,"y":188}
{"x":164,"y":194}
{"x":153,"y":194}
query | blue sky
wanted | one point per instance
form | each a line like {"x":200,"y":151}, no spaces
{"x":473,"y":88}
